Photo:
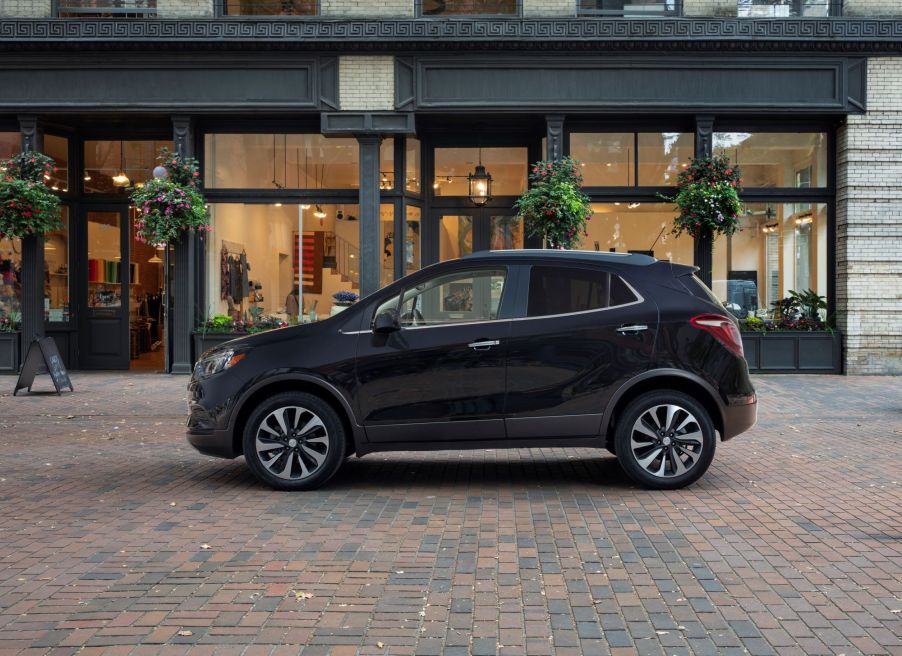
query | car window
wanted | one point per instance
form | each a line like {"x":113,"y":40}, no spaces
{"x":563,"y":290}
{"x":464,"y":296}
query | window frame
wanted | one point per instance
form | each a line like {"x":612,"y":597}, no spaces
{"x":118,"y":13}
{"x":418,"y":13}
{"x":615,"y":13}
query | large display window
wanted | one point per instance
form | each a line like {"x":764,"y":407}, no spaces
{"x":281,"y":161}
{"x":781,"y":247}
{"x":795,"y":160}
{"x":111,"y":166}
{"x":627,"y":159}
{"x":507,"y":166}
{"x":623,"y":227}
{"x":284,"y":260}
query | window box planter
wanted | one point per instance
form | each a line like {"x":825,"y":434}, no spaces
{"x":206,"y":341}
{"x":10,"y":353}
{"x":813,"y":352}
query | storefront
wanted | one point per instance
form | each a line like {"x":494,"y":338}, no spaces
{"x":311,"y":196}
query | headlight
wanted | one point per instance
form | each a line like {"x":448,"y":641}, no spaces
{"x":218,"y":361}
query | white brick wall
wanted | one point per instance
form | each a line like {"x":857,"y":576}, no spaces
{"x":869,"y":226}
{"x":25,"y":8}
{"x":368,"y":8}
{"x":545,"y":8}
{"x":184,"y":8}
{"x":366,"y":83}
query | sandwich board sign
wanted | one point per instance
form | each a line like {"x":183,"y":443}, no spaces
{"x":43,"y":358}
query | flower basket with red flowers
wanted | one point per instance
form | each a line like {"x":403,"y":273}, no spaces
{"x":707,"y":196}
{"x":27,"y":206}
{"x":554,"y":207}
{"x":171,"y":204}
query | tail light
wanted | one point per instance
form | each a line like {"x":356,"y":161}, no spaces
{"x":723,"y":329}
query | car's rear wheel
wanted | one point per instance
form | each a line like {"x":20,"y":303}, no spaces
{"x":294,"y":441}
{"x":665,"y":440}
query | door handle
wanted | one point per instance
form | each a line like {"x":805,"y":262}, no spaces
{"x":483,"y":344}
{"x":634,"y":329}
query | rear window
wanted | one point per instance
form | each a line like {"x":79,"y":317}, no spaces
{"x":698,"y":288}
{"x":562,"y":290}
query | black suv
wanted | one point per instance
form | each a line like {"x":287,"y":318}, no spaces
{"x":498,"y":349}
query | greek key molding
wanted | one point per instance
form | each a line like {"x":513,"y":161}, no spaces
{"x":860,"y":35}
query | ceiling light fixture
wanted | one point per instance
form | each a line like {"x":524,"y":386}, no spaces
{"x":480,"y":183}
{"x":121,"y":179}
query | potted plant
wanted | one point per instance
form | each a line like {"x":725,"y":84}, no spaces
{"x":554,"y":207}
{"x":798,"y":336}
{"x":222,"y":328}
{"x":10,"y":348}
{"x":170,"y":204}
{"x":28,"y":210}
{"x":342,"y":300}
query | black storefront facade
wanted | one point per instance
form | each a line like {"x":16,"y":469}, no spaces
{"x":631,"y":98}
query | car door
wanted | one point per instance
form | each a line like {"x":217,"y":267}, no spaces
{"x":585,"y":331}
{"x":441,"y":375}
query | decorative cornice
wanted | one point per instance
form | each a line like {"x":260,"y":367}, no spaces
{"x":860,"y":35}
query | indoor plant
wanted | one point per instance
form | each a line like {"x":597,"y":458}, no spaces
{"x":171,"y":203}
{"x":9,"y":342}
{"x":554,"y":207}
{"x":342,"y":300}
{"x":707,"y":198}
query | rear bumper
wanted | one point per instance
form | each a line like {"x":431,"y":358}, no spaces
{"x":213,"y":443}
{"x":739,"y":418}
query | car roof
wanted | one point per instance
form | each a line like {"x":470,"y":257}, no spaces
{"x":597,"y":257}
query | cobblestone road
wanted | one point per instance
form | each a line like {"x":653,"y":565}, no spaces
{"x":116,"y":537}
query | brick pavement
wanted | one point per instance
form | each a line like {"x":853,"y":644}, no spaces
{"x":116,"y":537}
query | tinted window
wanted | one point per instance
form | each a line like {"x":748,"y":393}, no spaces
{"x":453,"y":298}
{"x":559,"y":290}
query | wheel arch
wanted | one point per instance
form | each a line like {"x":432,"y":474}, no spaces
{"x":662,"y":379}
{"x":294,"y":383}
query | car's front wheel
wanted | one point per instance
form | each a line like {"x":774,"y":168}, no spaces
{"x":665,"y":440}
{"x":294,"y":441}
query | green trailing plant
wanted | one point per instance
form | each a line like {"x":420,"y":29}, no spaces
{"x":555,"y":207}
{"x":809,"y":302}
{"x":172,"y":204}
{"x":222,"y":323}
{"x":753,"y":323}
{"x":707,"y":197}
{"x":27,"y":206}
{"x":11,"y":323}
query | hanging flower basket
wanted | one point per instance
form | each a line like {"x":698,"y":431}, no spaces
{"x":707,"y":196}
{"x":27,"y":206}
{"x":554,"y":207}
{"x":171,"y":203}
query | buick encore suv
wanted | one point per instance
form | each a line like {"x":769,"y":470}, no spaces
{"x":527,"y":348}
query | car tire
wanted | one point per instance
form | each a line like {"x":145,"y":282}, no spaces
{"x":294,"y":441}
{"x":665,"y":440}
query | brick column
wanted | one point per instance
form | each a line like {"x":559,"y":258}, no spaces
{"x":869,"y":226}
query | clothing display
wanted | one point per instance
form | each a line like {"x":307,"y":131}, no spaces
{"x":234,"y":281}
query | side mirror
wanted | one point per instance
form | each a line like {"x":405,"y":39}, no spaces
{"x":386,"y":321}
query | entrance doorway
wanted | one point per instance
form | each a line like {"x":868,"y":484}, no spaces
{"x":122,"y":295}
{"x":462,"y":231}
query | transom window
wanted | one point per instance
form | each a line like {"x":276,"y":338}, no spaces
{"x":786,"y":8}
{"x":628,"y":159}
{"x":776,"y":159}
{"x":564,"y":290}
{"x":468,"y":7}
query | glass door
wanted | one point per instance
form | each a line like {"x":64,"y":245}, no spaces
{"x":462,"y":232}
{"x":104,"y":333}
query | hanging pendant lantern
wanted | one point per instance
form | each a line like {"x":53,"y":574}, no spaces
{"x":121,"y":178}
{"x":480,"y":185}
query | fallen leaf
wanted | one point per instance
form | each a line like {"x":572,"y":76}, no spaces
{"x":301,"y":595}
{"x":379,"y":645}
{"x":186,"y":633}
{"x":205,"y":546}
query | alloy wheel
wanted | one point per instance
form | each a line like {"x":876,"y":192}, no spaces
{"x":292,"y":442}
{"x":666,"y":440}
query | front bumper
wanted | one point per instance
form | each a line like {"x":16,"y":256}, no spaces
{"x":207,"y":427}
{"x":739,"y":418}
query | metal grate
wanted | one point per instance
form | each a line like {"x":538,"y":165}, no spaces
{"x":268,"y":7}
{"x":788,"y":8}
{"x":106,"y":8}
{"x":630,"y":8}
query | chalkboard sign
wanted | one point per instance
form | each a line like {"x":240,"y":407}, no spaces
{"x":43,"y":358}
